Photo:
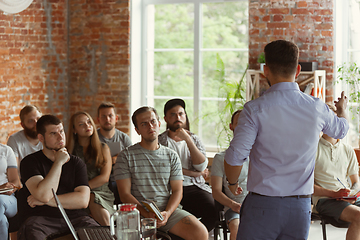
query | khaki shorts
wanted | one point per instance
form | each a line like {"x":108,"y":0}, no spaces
{"x":175,"y":217}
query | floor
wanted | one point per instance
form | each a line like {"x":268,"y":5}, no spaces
{"x":315,"y":233}
{"x":332,"y":233}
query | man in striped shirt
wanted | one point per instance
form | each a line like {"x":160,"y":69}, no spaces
{"x":148,"y":170}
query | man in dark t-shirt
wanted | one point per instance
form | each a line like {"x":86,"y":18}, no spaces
{"x":52,"y":168}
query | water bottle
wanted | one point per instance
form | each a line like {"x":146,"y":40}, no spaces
{"x":127,"y":222}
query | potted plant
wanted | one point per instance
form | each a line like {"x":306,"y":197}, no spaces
{"x":349,"y":73}
{"x":261,"y":60}
{"x":234,"y":95}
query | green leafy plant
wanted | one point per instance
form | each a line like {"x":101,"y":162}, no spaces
{"x":349,"y":73}
{"x":234,"y":96}
{"x":261,"y":58}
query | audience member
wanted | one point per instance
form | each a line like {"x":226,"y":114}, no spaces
{"x":108,"y":134}
{"x":84,"y":142}
{"x":197,"y":198}
{"x":47,"y":169}
{"x":9,"y":183}
{"x":335,"y":163}
{"x":279,"y":130}
{"x":222,"y":193}
{"x":148,"y":170}
{"x":26,"y":141}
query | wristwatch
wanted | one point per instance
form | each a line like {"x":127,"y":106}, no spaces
{"x":232,"y":184}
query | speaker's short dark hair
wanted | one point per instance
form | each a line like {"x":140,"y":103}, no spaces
{"x":282,"y":57}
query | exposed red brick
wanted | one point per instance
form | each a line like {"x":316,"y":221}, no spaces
{"x":327,"y":33}
{"x":278,"y":25}
{"x":323,"y":12}
{"x":302,"y":11}
{"x":310,"y":25}
{"x":266,"y":18}
{"x":279,"y":10}
{"x":278,"y":18}
{"x":302,"y":4}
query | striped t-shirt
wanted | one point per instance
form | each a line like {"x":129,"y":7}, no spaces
{"x":150,"y":172}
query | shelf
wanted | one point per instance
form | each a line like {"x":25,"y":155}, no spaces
{"x":317,"y":77}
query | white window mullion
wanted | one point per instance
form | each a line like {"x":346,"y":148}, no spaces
{"x":197,"y":63}
{"x":150,"y":37}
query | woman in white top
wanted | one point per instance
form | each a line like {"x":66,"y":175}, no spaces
{"x":9,"y":183}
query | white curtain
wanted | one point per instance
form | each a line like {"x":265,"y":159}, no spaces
{"x":354,"y":19}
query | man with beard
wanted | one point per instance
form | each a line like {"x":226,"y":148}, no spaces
{"x":108,"y":134}
{"x":26,"y":141}
{"x":148,"y":170}
{"x":197,"y":197}
{"x":47,"y":169}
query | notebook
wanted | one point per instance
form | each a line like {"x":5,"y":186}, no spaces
{"x":92,"y":233}
{"x":115,"y":148}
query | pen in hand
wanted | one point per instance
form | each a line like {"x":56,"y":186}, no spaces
{"x":341,"y":183}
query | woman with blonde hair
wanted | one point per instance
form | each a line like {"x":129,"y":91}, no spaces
{"x":83,"y":141}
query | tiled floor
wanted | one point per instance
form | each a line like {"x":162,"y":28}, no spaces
{"x":315,"y":233}
{"x":332,"y":233}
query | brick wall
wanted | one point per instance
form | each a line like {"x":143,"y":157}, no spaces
{"x":99,"y":57}
{"x":33,"y":62}
{"x":63,"y":71}
{"x":35,"y":66}
{"x":307,"y":23}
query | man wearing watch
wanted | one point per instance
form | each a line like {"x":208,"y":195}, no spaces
{"x":279,"y":131}
{"x":220,"y":190}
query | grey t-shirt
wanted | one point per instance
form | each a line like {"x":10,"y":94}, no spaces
{"x":217,"y":169}
{"x":150,"y":172}
{"x":120,"y":137}
{"x":21,"y":145}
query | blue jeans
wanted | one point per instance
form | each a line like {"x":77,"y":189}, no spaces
{"x":263,"y":217}
{"x":8,"y":209}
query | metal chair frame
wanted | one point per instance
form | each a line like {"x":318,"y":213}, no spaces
{"x":328,"y":220}
{"x":221,"y":222}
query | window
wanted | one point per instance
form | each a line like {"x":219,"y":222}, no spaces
{"x":182,"y":42}
{"x":347,"y":32}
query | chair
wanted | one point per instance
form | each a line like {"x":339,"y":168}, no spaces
{"x":328,"y":220}
{"x":220,"y":222}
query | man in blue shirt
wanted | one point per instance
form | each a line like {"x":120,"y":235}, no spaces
{"x":281,"y":128}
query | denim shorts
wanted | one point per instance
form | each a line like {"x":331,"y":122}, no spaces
{"x":231,"y":215}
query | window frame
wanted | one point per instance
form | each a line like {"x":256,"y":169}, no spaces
{"x":139,"y":64}
{"x":342,"y":32}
